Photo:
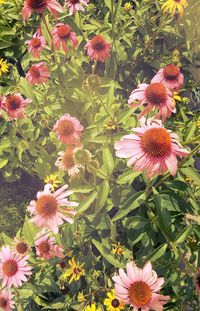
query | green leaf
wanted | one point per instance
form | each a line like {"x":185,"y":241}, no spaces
{"x":127,"y":177}
{"x":29,"y":230}
{"x":3,"y":162}
{"x":184,"y":234}
{"x":136,"y":222}
{"x":191,"y":172}
{"x":103,"y":192}
{"x":86,"y":204}
{"x":157,"y":253}
{"x":108,"y":160}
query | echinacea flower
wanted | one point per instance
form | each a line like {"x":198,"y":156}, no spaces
{"x":14,"y":269}
{"x":46,"y":247}
{"x":112,"y":303}
{"x":19,"y":246}
{"x":92,"y":307}
{"x":14,"y":106}
{"x":175,"y":5}
{"x":65,"y":162}
{"x":48,"y":210}
{"x":62,"y":35}
{"x":151,"y":149}
{"x":118,"y":249}
{"x":170,"y":76}
{"x":36,"y":44}
{"x":156,"y":96}
{"x":38,"y":73}
{"x":6,"y":300}
{"x":98,"y":49}
{"x":3,"y":67}
{"x":39,"y":6}
{"x":76,"y":5}
{"x":53,"y":180}
{"x":68,"y":130}
{"x":140,"y":288}
{"x":75,"y":271}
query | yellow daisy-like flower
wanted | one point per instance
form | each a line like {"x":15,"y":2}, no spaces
{"x":127,"y":6}
{"x":112,"y":303}
{"x":75,"y":271}
{"x":179,"y":98}
{"x":92,"y":307}
{"x":118,"y":249}
{"x":3,"y":67}
{"x":52,"y":179}
{"x":81,"y":297}
{"x":2,"y":1}
{"x":175,"y":5}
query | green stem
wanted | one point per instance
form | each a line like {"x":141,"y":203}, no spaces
{"x":105,"y":108}
{"x":194,"y":139}
{"x":18,"y":298}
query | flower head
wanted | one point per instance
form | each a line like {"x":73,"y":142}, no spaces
{"x":6,"y":300}
{"x":39,"y":6}
{"x":3,"y":67}
{"x":75,"y":271}
{"x":80,"y":297}
{"x":48,"y":210}
{"x":98,"y":49}
{"x":20,"y":247}
{"x":53,"y":180}
{"x":112,"y":303}
{"x":118,"y":249}
{"x":65,"y":162}
{"x":76,"y":5}
{"x":151,"y":149}
{"x":156,"y":96}
{"x":38,"y":73}
{"x":14,"y":269}
{"x":62,"y":35}
{"x":127,"y":6}
{"x":14,"y":106}
{"x":175,"y":5}
{"x":140,"y":287}
{"x":92,"y":307}
{"x":36,"y":44}
{"x":170,"y":76}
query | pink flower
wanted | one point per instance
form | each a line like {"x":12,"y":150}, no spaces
{"x":151,"y":149}
{"x":39,"y":6}
{"x":36,"y":44}
{"x":38,"y":73}
{"x":140,"y":288}
{"x":155,"y":95}
{"x":14,"y":106}
{"x":62,"y":34}
{"x":19,"y":246}
{"x":13,"y":268}
{"x":68,"y":129}
{"x":170,"y":76}
{"x":6,"y":301}
{"x":98,"y":49}
{"x":48,"y":212}
{"x":65,"y":162}
{"x":76,"y":5}
{"x":46,"y":247}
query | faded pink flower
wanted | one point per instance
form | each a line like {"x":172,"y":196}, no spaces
{"x":14,"y":269}
{"x":76,"y":5}
{"x":151,"y":149}
{"x":19,"y":246}
{"x":65,"y":162}
{"x":170,"y":76}
{"x":140,"y":288}
{"x":6,"y":300}
{"x":36,"y":44}
{"x":48,"y":210}
{"x":38,"y":73}
{"x":68,"y":130}
{"x":39,"y":6}
{"x":61,"y":35}
{"x":14,"y":106}
{"x":98,"y":49}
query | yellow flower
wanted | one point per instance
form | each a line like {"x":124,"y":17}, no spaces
{"x":118,"y":249}
{"x":3,"y":67}
{"x":178,"y":98}
{"x":198,"y":124}
{"x":81,"y":297}
{"x":2,"y":1}
{"x":112,"y":303}
{"x":127,"y":6}
{"x":52,"y":179}
{"x":175,"y":5}
{"x":75,"y":271}
{"x":92,"y":307}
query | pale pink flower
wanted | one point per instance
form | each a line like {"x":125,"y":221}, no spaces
{"x":38,"y":73}
{"x":48,"y":210}
{"x":36,"y":44}
{"x":14,"y":106}
{"x":20,"y":247}
{"x":65,"y":162}
{"x":98,"y":49}
{"x":46,"y":247}
{"x":140,"y":288}
{"x":14,"y":269}
{"x":76,"y":5}
{"x":156,"y":96}
{"x":6,"y":300}
{"x":39,"y":6}
{"x":61,"y":35}
{"x":151,"y":149}
{"x":68,"y":130}
{"x":170,"y":76}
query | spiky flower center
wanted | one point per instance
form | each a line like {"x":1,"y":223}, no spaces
{"x":34,"y":71}
{"x":74,"y":1}
{"x":98,"y":43}
{"x":63,"y":31}
{"x":156,"y":93}
{"x":21,"y":247}
{"x":156,"y":142}
{"x":171,"y":72}
{"x":3,"y":302}
{"x":139,"y":293}
{"x":36,"y":4}
{"x":35,"y":42}
{"x":115,"y":303}
{"x":13,"y":102}
{"x":44,"y":247}
{"x":68,"y":160}
{"x":77,"y":270}
{"x":46,"y":205}
{"x":65,"y":127}
{"x":10,"y":267}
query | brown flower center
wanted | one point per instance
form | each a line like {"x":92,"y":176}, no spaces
{"x":44,"y":247}
{"x":21,"y":247}
{"x":36,"y":4}
{"x":46,"y":205}
{"x":34,"y":71}
{"x":65,"y":127}
{"x":68,"y":160}
{"x":139,"y":294}
{"x":35,"y":42}
{"x":98,"y":43}
{"x":74,"y":1}
{"x":156,"y":93}
{"x":9,"y":267}
{"x":156,"y":142}
{"x":3,"y":302}
{"x":77,"y":271}
{"x":171,"y":72}
{"x":115,"y":303}
{"x":63,"y":31}
{"x":13,"y":102}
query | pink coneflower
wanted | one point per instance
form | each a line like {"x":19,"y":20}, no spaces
{"x":68,"y":129}
{"x":46,"y":247}
{"x":19,"y":246}
{"x":98,"y":49}
{"x":65,"y":162}
{"x":14,"y":106}
{"x":38,"y":73}
{"x":6,"y":301}
{"x":36,"y":44}
{"x":14,"y":269}
{"x":39,"y":6}
{"x":155,"y":95}
{"x":61,"y":35}
{"x":48,"y":212}
{"x":76,"y":5}
{"x":170,"y":76}
{"x":140,"y":288}
{"x":151,"y":149}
